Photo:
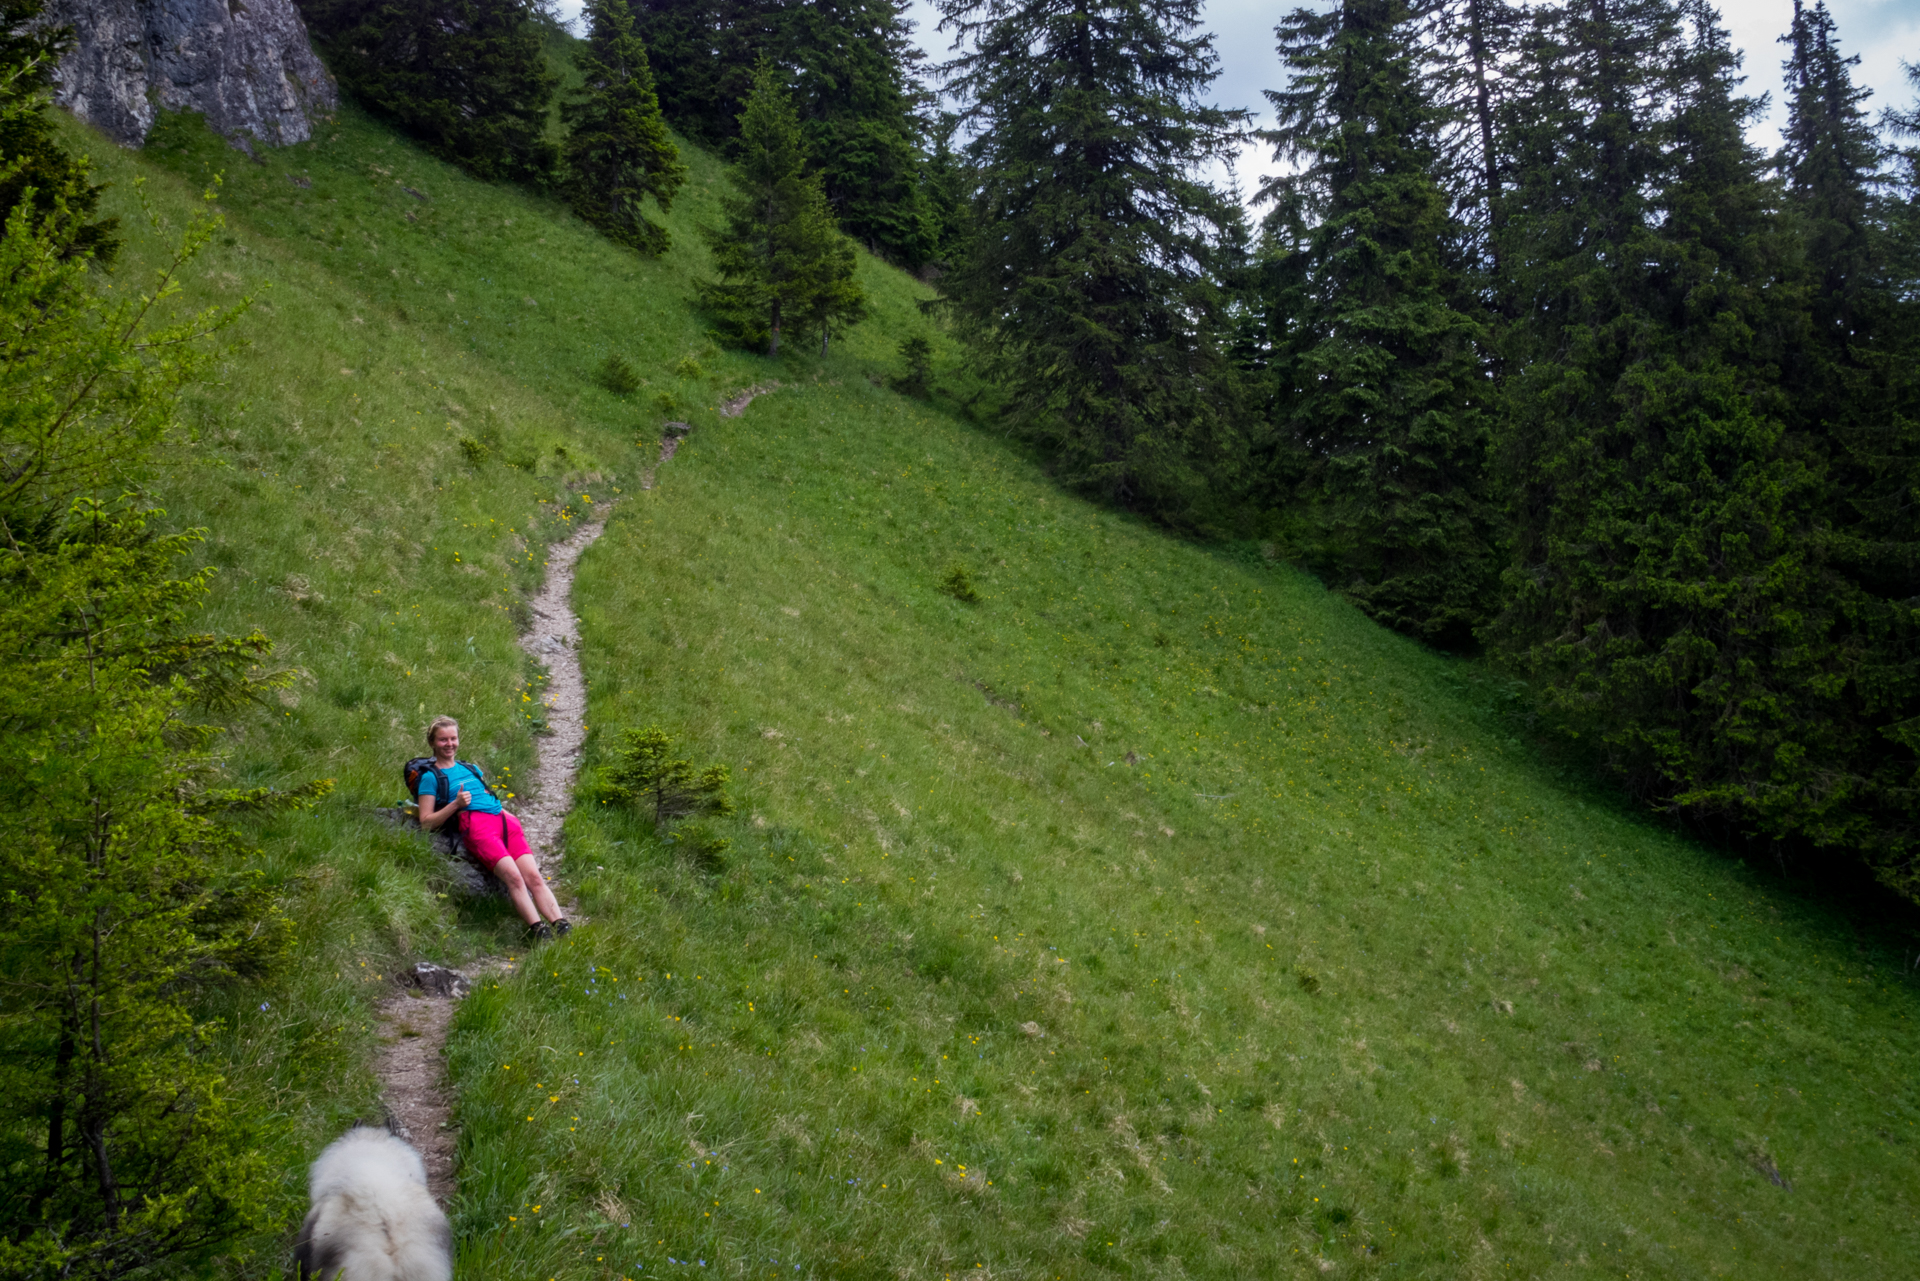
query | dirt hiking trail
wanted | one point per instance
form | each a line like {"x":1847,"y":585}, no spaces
{"x":413,"y":1022}
{"x":555,"y":640}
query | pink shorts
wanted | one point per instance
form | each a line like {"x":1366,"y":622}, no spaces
{"x":493,"y":837}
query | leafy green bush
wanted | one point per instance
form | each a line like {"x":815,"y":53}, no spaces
{"x":700,"y":847}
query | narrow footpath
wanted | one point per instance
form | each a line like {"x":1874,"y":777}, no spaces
{"x":413,"y":1021}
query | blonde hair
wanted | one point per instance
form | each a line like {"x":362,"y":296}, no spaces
{"x":439,"y":723}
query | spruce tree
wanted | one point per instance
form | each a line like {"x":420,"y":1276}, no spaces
{"x":618,"y":150}
{"x":1095,"y":301}
{"x":1854,"y":390}
{"x":1672,"y":591}
{"x":851,"y":65}
{"x":948,"y":182}
{"x":64,"y":198}
{"x":1380,"y":383}
{"x":1830,"y":159}
{"x":855,"y":92}
{"x":703,"y":54}
{"x":129,"y":901}
{"x":467,"y":77}
{"x":782,"y":262}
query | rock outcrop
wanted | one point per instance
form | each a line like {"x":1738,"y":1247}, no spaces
{"x":246,"y":65}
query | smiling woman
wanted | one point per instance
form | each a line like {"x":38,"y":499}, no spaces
{"x":453,"y":789}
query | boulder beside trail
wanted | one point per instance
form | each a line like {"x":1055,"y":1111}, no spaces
{"x":246,"y":65}
{"x":437,"y":980}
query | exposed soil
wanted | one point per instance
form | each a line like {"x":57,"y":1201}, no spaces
{"x":554,"y":640}
{"x":669,"y":446}
{"x":413,"y":1023}
{"x":412,"y":1071}
{"x":738,"y":405}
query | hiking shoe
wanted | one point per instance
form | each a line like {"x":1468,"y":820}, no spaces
{"x":539,"y":932}
{"x":562,"y":928}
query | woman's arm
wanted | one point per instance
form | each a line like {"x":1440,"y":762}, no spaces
{"x":433,"y":814}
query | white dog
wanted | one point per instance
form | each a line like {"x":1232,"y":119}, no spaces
{"x":372,"y":1218}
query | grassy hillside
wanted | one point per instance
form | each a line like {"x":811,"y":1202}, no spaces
{"x":1153,"y":915}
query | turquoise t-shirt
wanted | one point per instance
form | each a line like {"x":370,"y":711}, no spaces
{"x":459,"y":776}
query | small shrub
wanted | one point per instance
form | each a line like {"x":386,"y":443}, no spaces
{"x":689,"y":368}
{"x":917,"y":354}
{"x":664,"y":402}
{"x":617,"y":376}
{"x":1309,"y":981}
{"x":645,"y":774}
{"x":959,"y":584}
{"x":475,"y":450}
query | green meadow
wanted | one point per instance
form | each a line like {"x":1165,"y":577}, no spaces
{"x":1153,"y":914}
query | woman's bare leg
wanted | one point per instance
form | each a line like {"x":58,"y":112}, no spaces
{"x":537,"y":888}
{"x":517,"y":889}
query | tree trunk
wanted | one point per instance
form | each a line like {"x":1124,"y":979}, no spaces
{"x":95,"y":1106}
{"x":56,"y":1121}
{"x":773,"y":343}
{"x":1483,"y":111}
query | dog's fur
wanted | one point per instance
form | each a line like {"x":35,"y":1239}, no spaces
{"x":372,"y":1216}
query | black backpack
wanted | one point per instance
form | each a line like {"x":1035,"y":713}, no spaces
{"x":442,"y":788}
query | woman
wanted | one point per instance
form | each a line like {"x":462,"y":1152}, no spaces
{"x":489,"y":831}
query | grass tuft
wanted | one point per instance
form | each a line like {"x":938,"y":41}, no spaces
{"x":618,"y":375}
{"x":958,"y":583}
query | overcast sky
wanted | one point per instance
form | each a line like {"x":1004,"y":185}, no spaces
{"x":1881,"y":32}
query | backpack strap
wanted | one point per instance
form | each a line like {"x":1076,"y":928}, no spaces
{"x":442,"y":788}
{"x":481,"y":778}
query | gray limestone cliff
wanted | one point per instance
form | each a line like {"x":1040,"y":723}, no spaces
{"x":246,"y":65}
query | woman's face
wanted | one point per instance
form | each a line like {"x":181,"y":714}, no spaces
{"x":446,"y":741}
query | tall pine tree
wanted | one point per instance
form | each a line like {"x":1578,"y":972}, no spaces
{"x":855,"y":90}
{"x":65,"y":198}
{"x":618,"y":150}
{"x":1855,"y":393}
{"x":1095,"y":301}
{"x":851,"y":65}
{"x":703,"y":54}
{"x":782,"y":263}
{"x":1672,"y":591}
{"x":948,"y":181}
{"x":1831,"y":160}
{"x":1380,"y":384}
{"x":466,"y":77}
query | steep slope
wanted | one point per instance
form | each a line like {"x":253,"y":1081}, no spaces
{"x":1153,"y":914}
